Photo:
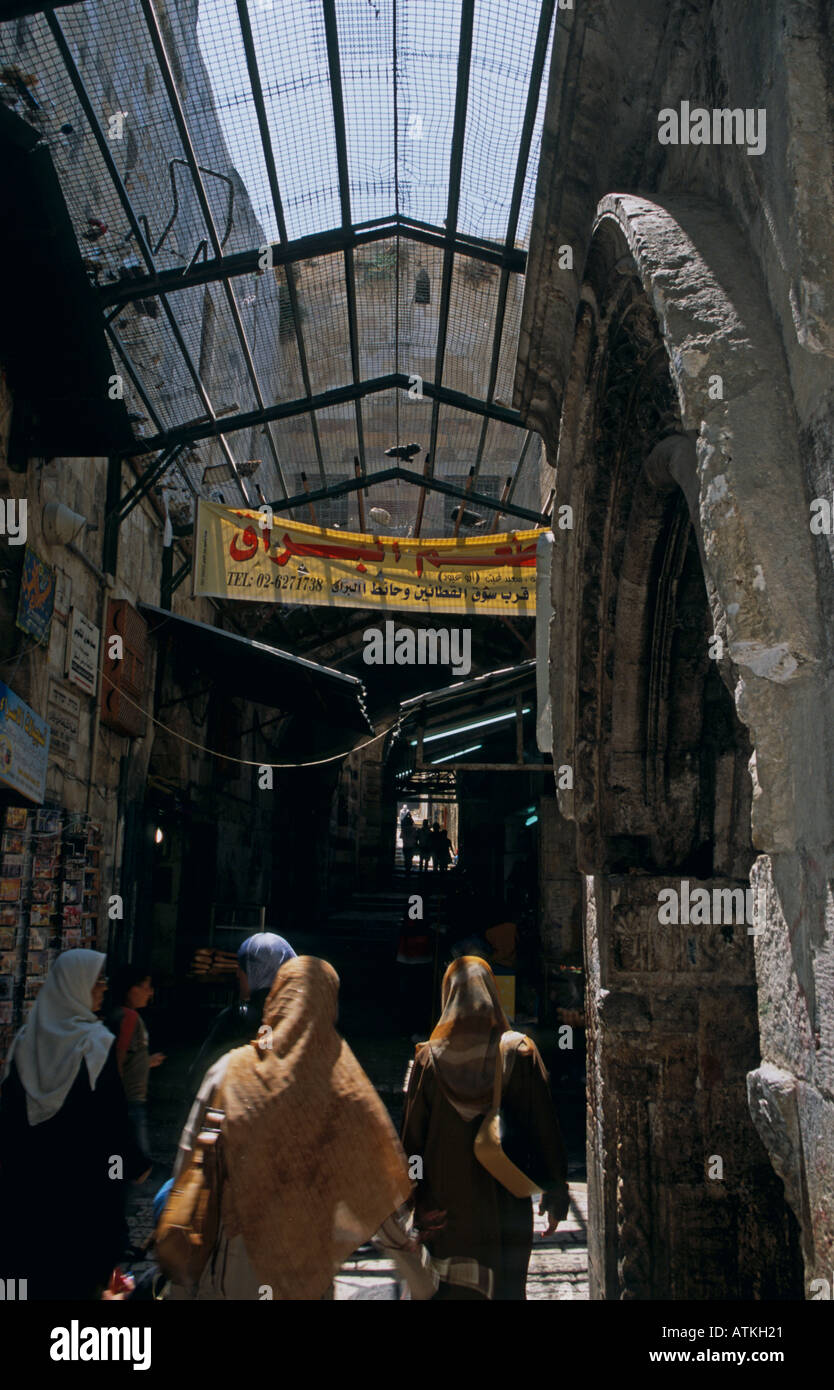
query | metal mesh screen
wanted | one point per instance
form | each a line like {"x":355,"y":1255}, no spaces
{"x":398,"y":96}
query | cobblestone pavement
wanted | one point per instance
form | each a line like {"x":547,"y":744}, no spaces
{"x":558,"y":1265}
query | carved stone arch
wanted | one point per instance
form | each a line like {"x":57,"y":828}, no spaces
{"x":742,"y":479}
{"x":656,"y":728}
{"x":691,"y":525}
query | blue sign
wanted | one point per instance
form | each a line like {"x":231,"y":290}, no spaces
{"x":37,"y":596}
{"x":24,"y":747}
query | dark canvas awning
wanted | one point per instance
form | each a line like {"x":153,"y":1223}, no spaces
{"x":476,"y":694}
{"x":265,"y":675}
{"x":483,"y":724}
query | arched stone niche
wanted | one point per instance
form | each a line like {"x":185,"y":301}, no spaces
{"x":686,"y":648}
{"x":727,"y":436}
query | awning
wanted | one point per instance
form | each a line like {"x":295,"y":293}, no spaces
{"x":477,"y":693}
{"x":483,"y":724}
{"x":265,"y":675}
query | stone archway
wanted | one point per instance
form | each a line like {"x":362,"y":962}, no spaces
{"x":687,"y":650}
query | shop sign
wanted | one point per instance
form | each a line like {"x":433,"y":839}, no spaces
{"x":24,"y":747}
{"x":239,"y":554}
{"x":82,"y":652}
{"x":64,"y":710}
{"x":63,"y":593}
{"x":37,"y":596}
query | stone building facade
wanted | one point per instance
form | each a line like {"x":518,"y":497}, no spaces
{"x":681,"y":374}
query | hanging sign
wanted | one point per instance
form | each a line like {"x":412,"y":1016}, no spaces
{"x":24,"y":746}
{"x":37,"y":596}
{"x":237,"y":555}
{"x":64,"y":711}
{"x":81,"y":665}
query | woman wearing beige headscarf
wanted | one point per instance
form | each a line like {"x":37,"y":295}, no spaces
{"x":313,"y":1164}
{"x":479,"y":1235}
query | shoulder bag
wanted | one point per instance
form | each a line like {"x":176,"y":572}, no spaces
{"x":188,"y":1227}
{"x":488,"y":1148}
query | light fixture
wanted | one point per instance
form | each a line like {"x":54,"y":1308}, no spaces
{"x":459,"y":754}
{"x":60,"y":525}
{"x":466,"y":728}
{"x":158,"y":836}
{"x":531,"y":820}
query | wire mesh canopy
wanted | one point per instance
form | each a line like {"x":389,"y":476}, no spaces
{"x":306,"y":224}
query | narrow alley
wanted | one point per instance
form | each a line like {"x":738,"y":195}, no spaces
{"x":416,"y":663}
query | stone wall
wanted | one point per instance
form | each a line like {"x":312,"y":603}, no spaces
{"x":732,"y":254}
{"x":103,"y":773}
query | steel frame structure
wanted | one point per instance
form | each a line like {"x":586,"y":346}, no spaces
{"x":191,"y":158}
{"x":83,"y":95}
{"x":288,"y":253}
{"x":167,"y":443}
{"x":537,"y":72}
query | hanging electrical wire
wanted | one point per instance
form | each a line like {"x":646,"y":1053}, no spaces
{"x":227,"y":757}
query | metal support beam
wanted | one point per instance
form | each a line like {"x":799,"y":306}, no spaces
{"x":287,"y":253}
{"x":143,"y":485}
{"x":467,"y":16}
{"x":331,"y":32}
{"x":525,"y":449}
{"x":278,"y":208}
{"x":202,"y":197}
{"x":525,"y":142}
{"x":110,"y":555}
{"x":181,"y":574}
{"x":103,"y":144}
{"x":285,"y":410}
{"x":19,"y":9}
{"x":403,"y":475}
{"x":165,"y":589}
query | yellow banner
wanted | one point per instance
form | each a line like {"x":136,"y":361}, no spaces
{"x":238,"y":555}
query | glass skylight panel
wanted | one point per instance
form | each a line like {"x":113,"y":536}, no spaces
{"x":472,"y":305}
{"x":421,"y":271}
{"x":375,"y":274}
{"x":528,"y":196}
{"x":289,"y":41}
{"x":503,"y":44}
{"x":428,"y":35}
{"x":366,"y":60}
{"x":322,"y":302}
{"x":509,"y":341}
{"x":297,"y":448}
{"x":223,"y":55}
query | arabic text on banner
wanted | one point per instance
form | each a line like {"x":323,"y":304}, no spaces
{"x":237,"y":556}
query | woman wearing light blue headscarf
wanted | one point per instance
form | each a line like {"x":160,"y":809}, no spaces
{"x":259,"y":959}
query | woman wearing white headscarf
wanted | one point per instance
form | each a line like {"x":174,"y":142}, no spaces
{"x":67,"y":1147}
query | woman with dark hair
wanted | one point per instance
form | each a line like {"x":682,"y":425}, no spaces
{"x":259,"y":959}
{"x":479,"y":1235}
{"x":67,"y":1146}
{"x":130,"y":991}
